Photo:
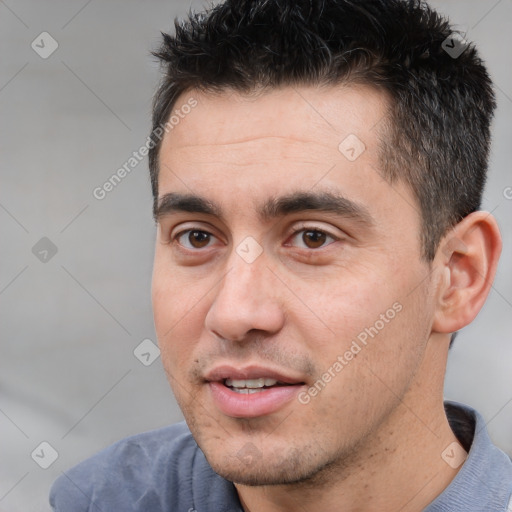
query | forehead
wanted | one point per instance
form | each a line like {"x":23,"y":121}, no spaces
{"x":299,"y":132}
{"x":231,"y":146}
{"x":324,"y":115}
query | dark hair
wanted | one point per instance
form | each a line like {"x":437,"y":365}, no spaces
{"x":436,"y":136}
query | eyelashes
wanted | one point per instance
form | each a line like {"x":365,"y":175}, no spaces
{"x":318,"y":237}
{"x":198,"y":236}
{"x":313,"y":238}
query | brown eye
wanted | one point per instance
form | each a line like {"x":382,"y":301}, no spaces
{"x":314,"y":239}
{"x":198,"y":239}
{"x":194,"y":239}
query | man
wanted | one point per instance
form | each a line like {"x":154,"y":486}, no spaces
{"x":317,"y":169}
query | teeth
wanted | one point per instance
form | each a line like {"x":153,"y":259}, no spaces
{"x":247,"y":391}
{"x":250,"y":383}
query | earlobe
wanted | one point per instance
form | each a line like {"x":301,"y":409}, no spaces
{"x":468,"y":256}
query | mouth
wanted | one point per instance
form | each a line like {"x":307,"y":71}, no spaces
{"x":249,"y":386}
{"x":251,"y":392}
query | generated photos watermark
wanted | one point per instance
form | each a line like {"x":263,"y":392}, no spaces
{"x":358,"y":344}
{"x":156,"y":136}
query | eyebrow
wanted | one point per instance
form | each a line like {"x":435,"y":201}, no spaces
{"x":273,"y":208}
{"x":174,"y":202}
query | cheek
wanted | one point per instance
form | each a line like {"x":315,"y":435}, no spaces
{"x":177,"y":312}
{"x":371,"y":324}
{"x":174,"y":295}
{"x":349,"y":304}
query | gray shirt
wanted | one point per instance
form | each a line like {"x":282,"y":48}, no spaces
{"x":164,"y":470}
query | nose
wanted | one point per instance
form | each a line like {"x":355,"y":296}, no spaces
{"x":246,"y":299}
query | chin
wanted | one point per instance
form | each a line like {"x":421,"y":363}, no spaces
{"x":249,"y":467}
{"x":259,"y":476}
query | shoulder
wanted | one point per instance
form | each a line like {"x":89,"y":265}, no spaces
{"x":136,"y":473}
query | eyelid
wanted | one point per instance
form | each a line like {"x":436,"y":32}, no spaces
{"x":193,"y":226}
{"x":174,"y":238}
{"x":305,"y":226}
{"x":184,"y":228}
{"x":174,"y":233}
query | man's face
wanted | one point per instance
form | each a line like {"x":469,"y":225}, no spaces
{"x":328,"y":307}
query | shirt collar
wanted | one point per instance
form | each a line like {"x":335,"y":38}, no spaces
{"x":484,"y":482}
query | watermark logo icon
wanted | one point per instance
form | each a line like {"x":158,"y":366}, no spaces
{"x":44,"y":250}
{"x":249,"y":454}
{"x":351,"y":147}
{"x":146,"y":352}
{"x":454,"y":45}
{"x":249,"y":249}
{"x":44,"y":455}
{"x":454,"y":245}
{"x":44,"y":45}
{"x":454,"y":455}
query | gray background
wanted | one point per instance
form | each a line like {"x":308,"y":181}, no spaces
{"x":68,"y":375}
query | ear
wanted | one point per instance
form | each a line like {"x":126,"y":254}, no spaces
{"x":467,"y":258}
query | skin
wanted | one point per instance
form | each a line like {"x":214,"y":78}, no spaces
{"x":379,"y":422}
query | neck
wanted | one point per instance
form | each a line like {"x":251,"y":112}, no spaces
{"x":398,"y":467}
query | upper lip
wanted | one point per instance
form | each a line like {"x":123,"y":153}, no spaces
{"x":222,"y":372}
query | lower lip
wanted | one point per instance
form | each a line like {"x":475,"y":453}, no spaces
{"x":241,"y":405}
